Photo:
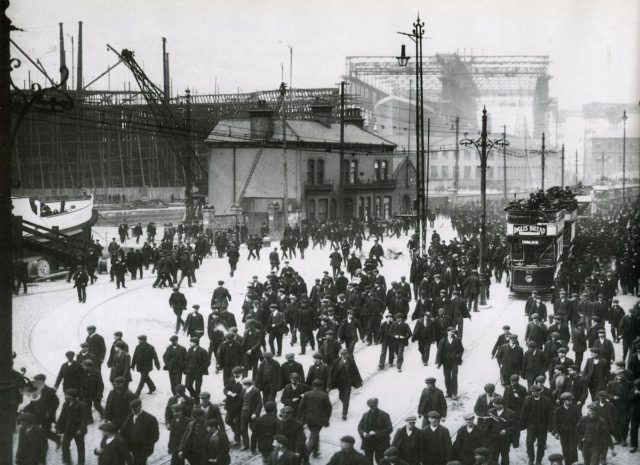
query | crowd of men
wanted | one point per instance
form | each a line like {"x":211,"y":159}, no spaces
{"x":272,"y":405}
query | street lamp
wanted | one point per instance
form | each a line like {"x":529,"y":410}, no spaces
{"x":483,"y":145}
{"x":422,"y":196}
{"x":624,"y":157}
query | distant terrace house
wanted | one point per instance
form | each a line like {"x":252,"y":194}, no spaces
{"x":318,"y":187}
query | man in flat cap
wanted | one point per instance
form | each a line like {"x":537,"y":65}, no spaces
{"x":32,"y":441}
{"x":178,"y":303}
{"x":437,"y":441}
{"x":347,"y":455}
{"x":468,"y":438}
{"x":565,"y":420}
{"x":482,"y":456}
{"x":431,"y":399}
{"x":501,"y":430}
{"x":196,"y":366}
{"x":533,"y":364}
{"x":177,"y":426}
{"x":72,"y":425}
{"x":449,"y":357}
{"x":96,"y":344}
{"x":536,"y":418}
{"x":113,"y":450}
{"x":315,"y":412}
{"x":594,"y":436}
{"x":293,"y":430}
{"x":194,"y":324}
{"x":140,"y":432}
{"x":344,"y":375}
{"x":408,"y":440}
{"x":400,"y":333}
{"x":292,"y":393}
{"x":484,"y":403}
{"x":596,"y":373}
{"x":181,"y":399}
{"x":174,"y":359}
{"x":144,"y":358}
{"x":510,"y":357}
{"x":374,"y":429}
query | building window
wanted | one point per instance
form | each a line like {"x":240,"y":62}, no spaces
{"x":445,"y":172}
{"x":477,"y":172}
{"x":376,"y":169}
{"x":311,"y":171}
{"x":434,"y":172}
{"x":361,"y":211}
{"x":333,"y":212}
{"x":353,"y":171}
{"x":311,"y":210}
{"x":323,"y":207}
{"x":367,"y":212}
{"x":320,"y":171}
{"x":467,"y":172}
{"x":385,"y":170}
{"x":378,"y":208}
{"x":387,"y":208}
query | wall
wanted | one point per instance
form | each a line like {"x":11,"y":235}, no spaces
{"x":101,"y":193}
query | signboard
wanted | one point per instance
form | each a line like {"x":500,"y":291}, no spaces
{"x":529,"y":230}
{"x":530,"y":242}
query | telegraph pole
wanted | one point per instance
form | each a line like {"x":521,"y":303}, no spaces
{"x":542,"y":154}
{"x":285,"y":193}
{"x":188,"y":166}
{"x":624,"y":157}
{"x":7,"y":390}
{"x":504,"y":162}
{"x":562,"y":168}
{"x":456,"y":168}
{"x":576,"y":167}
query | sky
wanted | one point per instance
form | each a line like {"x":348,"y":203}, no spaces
{"x":593,"y":45}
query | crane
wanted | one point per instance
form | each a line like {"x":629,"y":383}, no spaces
{"x":265,"y":141}
{"x":175,"y":127}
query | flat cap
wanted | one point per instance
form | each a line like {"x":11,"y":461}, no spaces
{"x":118,"y":334}
{"x":194,"y":339}
{"x":556,"y":458}
{"x":108,"y":427}
{"x":411,"y":419}
{"x":173,"y":338}
{"x":135,"y":403}
{"x":506,"y":327}
{"x":566,"y":396}
{"x":91,"y":327}
{"x":513,"y":337}
{"x":469,"y":416}
{"x":142,"y":337}
{"x":348,"y":439}
{"x":498,"y":400}
{"x":536,"y":388}
{"x":514,"y":378}
{"x":434,"y":414}
{"x":531,"y":344}
{"x":430,"y":381}
{"x":391,"y":452}
{"x":294,"y":376}
{"x":205,"y":395}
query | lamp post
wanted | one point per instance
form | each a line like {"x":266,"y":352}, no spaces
{"x":624,"y":157}
{"x":422,"y":196}
{"x":483,"y":145}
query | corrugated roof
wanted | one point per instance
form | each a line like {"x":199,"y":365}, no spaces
{"x":239,"y":130}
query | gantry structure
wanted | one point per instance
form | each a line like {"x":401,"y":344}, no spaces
{"x":455,"y":84}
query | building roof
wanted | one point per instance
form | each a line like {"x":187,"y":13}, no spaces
{"x":238,"y":131}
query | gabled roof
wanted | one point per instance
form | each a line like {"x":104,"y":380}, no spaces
{"x":238,"y":131}
{"x":406,"y":160}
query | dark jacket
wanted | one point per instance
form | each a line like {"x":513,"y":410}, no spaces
{"x":432,"y":400}
{"x":315,"y":408}
{"x":140,"y":434}
{"x":117,"y":408}
{"x":380,"y":422}
{"x":449,"y":353}
{"x":70,"y":375}
{"x":344,"y":371}
{"x":174,"y":358}
{"x":409,"y":446}
{"x":466,"y":442}
{"x":144,"y":357}
{"x":73,"y":418}
{"x":437,"y":445}
{"x":32,"y":446}
{"x":97,"y":346}
{"x":264,"y":429}
{"x":544,"y":413}
{"x":114,"y":453}
{"x":286,"y":458}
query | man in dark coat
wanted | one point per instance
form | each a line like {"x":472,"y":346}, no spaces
{"x":43,"y":406}
{"x":140,"y":432}
{"x":347,"y":455}
{"x":92,"y":388}
{"x":596,"y":373}
{"x":72,"y":424}
{"x":117,"y":407}
{"x":409,"y":442}
{"x":318,"y":370}
{"x":269,"y":378}
{"x":70,"y":374}
{"x":182,"y":400}
{"x":400,"y":333}
{"x":292,"y":393}
{"x":281,"y":454}
{"x":437,"y":441}
{"x":96,"y":344}
{"x":264,"y":429}
{"x":344,"y":375}
{"x":449,"y":357}
{"x":174,"y":359}
{"x":593,"y":436}
{"x":251,"y":406}
{"x":194,"y":324}
{"x":514,"y":396}
{"x":178,"y":303}
{"x":375,"y":429}
{"x":536,"y":418}
{"x":177,"y":427}
{"x":510,"y":357}
{"x":468,"y":438}
{"x":293,"y":430}
{"x":315,"y":412}
{"x":424,"y":333}
{"x":144,"y":357}
{"x":349,"y":330}
{"x":431,"y":400}
{"x":196,"y":366}
{"x":565,"y":420}
{"x":500,"y":429}
{"x":533,"y":363}
{"x":32,"y":442}
{"x":113,"y":450}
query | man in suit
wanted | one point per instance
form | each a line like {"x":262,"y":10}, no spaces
{"x":269,"y":378}
{"x":437,"y":441}
{"x":140,"y":432}
{"x":251,"y":405}
{"x":607,"y":352}
{"x":32,"y":442}
{"x":70,"y":374}
{"x":375,"y":429}
{"x":536,"y":331}
{"x":315,"y":412}
{"x":536,"y":418}
{"x":210,"y":409}
{"x":281,"y":455}
{"x":347,"y":455}
{"x":264,"y":429}
{"x":431,"y":400}
{"x":113,"y":450}
{"x":196,"y":366}
{"x":400,"y":333}
{"x":144,"y":357}
{"x":449,"y":357}
{"x":468,"y":438}
{"x":318,"y":370}
{"x":500,"y":428}
{"x":344,"y":375}
{"x":180,"y":399}
{"x":174,"y":359}
{"x":510,"y":357}
{"x":565,"y":420}
{"x":117,"y":407}
{"x":472,"y":290}
{"x":484,"y":403}
{"x":596,"y":373}
{"x":72,"y":424}
{"x":408,"y":441}
{"x":120,"y":363}
{"x":96,"y":344}
{"x":43,"y":406}
{"x":533,"y":363}
{"x":292,"y":393}
{"x":502,"y":339}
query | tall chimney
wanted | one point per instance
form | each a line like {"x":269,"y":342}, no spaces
{"x":79,"y":85}
{"x":165,"y":71}
{"x":63,"y":60}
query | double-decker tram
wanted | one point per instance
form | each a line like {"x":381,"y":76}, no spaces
{"x":540,"y":235}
